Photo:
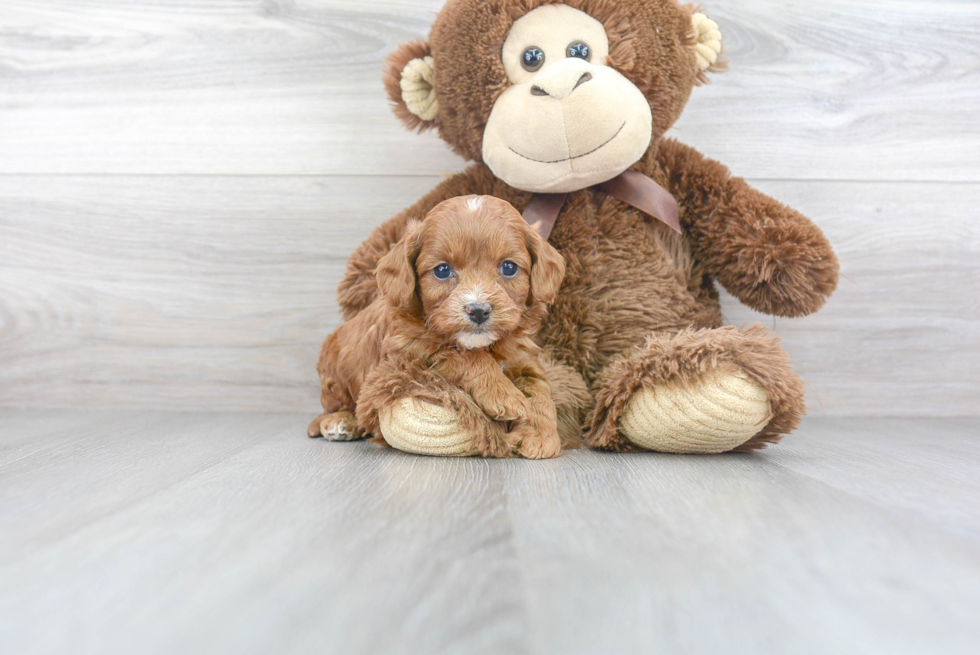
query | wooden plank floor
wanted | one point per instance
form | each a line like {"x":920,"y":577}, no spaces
{"x":202,"y":533}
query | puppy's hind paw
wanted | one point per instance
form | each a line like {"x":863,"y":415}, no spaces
{"x":338,"y":426}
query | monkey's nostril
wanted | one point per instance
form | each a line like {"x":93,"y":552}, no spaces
{"x":582,"y":80}
{"x":539,"y":91}
{"x":478,"y":312}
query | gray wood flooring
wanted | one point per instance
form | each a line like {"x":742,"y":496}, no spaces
{"x":147,"y":532}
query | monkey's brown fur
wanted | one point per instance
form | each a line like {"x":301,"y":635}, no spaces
{"x":638,"y":305}
{"x":406,"y":342}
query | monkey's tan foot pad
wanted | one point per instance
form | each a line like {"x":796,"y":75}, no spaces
{"x":422,"y":428}
{"x":713,"y":414}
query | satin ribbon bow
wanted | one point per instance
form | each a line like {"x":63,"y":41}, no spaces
{"x":632,"y":187}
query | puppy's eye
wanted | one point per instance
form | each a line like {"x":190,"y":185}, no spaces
{"x":509,"y":269}
{"x":442,"y":271}
{"x":532,"y":59}
{"x":579,"y":49}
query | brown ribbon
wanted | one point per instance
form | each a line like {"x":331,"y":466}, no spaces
{"x":542,"y":211}
{"x":632,"y":187}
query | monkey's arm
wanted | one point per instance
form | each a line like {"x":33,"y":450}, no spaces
{"x":358,"y":288}
{"x":768,"y":255}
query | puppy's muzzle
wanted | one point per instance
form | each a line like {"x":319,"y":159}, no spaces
{"x":478,"y":312}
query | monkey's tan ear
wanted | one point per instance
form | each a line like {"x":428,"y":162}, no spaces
{"x":705,"y":38}
{"x":409,"y":78}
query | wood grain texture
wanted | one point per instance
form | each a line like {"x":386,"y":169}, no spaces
{"x":203,"y":293}
{"x":180,"y":185}
{"x":238,"y":151}
{"x":901,"y":335}
{"x":177,"y":292}
{"x":839,"y":89}
{"x":194,"y":533}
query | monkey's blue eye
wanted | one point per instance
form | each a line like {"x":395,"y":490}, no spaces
{"x":580,"y":50}
{"x":442,"y":271}
{"x":532,"y":59}
{"x":509,"y":269}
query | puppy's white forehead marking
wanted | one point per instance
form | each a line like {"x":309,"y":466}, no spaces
{"x":475,"y":203}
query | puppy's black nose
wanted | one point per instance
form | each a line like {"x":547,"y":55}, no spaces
{"x":479,"y":312}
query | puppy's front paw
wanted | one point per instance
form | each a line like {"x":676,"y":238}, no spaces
{"x":535,"y":444}
{"x":505,"y":407}
{"x":338,"y":426}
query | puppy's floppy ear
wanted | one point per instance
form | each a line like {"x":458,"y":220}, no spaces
{"x":409,"y":77}
{"x":396,"y":275}
{"x":547,"y":266}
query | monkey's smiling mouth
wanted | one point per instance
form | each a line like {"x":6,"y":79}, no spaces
{"x":584,"y":154}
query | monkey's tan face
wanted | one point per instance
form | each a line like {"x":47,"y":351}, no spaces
{"x":568,"y":120}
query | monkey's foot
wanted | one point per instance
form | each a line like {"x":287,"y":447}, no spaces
{"x":712,"y":414}
{"x":416,"y":426}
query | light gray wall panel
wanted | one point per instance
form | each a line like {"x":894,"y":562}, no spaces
{"x":181,"y":183}
{"x":836,"y":89}
{"x":204,"y":292}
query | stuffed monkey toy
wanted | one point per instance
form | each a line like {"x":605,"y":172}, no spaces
{"x":563,"y":107}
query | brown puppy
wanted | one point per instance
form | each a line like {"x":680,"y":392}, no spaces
{"x":462,"y":295}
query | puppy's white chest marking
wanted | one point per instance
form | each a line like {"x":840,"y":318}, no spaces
{"x":470,"y":341}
